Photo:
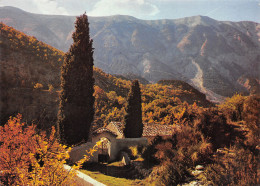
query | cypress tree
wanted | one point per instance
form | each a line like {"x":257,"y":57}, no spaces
{"x":133,"y":117}
{"x":76,"y":109}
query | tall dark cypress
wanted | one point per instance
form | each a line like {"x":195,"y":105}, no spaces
{"x":133,"y":117}
{"x":76,"y":110}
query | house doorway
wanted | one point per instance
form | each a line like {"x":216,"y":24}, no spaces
{"x":104,"y":150}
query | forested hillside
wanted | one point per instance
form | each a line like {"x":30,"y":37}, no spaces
{"x":30,"y":83}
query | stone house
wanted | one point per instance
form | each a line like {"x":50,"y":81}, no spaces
{"x":114,"y":142}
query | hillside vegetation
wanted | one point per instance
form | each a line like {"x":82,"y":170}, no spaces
{"x":209,"y":146}
{"x":224,"y":139}
{"x":30,"y":80}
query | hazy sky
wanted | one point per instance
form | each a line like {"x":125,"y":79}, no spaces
{"x":233,"y":10}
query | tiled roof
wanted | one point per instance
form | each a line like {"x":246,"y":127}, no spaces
{"x":149,"y":130}
{"x":119,"y":126}
{"x":157,"y":129}
{"x":101,"y":130}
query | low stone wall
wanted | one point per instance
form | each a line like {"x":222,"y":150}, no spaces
{"x":117,"y":145}
{"x":77,"y":153}
{"x":128,"y":142}
{"x":121,"y":144}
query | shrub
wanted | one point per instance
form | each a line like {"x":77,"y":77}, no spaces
{"x":232,"y":107}
{"x":251,"y":112}
{"x":214,"y":127}
{"x":206,"y":149}
{"x":29,"y":157}
{"x":176,"y":154}
{"x":51,"y":88}
{"x":38,"y":86}
{"x":236,"y":167}
{"x":216,"y":174}
{"x":172,"y":173}
{"x":148,"y":155}
{"x":134,"y":151}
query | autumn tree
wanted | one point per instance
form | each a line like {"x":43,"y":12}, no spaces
{"x":30,"y":157}
{"x":76,"y":110}
{"x":133,"y":117}
{"x":233,"y":107}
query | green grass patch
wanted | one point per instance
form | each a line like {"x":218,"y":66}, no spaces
{"x":109,"y":180}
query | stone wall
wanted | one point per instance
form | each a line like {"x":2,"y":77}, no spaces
{"x":112,"y":150}
{"x":117,"y":145}
{"x":128,"y":142}
{"x":78,"y":152}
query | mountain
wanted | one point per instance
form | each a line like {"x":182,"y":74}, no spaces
{"x":214,"y":56}
{"x":30,"y":83}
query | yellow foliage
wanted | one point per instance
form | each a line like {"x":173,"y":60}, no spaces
{"x":38,"y":86}
{"x":233,"y":106}
{"x":206,"y":148}
{"x":194,"y":157}
{"x":19,"y":41}
{"x":51,"y":88}
{"x":134,"y":150}
{"x":29,"y":158}
{"x":121,"y":100}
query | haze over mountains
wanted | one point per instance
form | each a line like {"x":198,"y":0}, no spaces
{"x":218,"y":58}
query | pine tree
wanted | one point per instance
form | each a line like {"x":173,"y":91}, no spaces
{"x":133,"y":117}
{"x":76,"y":110}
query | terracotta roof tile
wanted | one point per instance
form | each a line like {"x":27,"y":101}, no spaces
{"x":119,"y":126}
{"x":157,"y":129}
{"x":101,"y":130}
{"x":149,"y":129}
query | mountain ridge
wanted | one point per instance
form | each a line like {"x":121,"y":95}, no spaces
{"x":212,"y":55}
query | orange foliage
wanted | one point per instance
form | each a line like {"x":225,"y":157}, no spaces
{"x":31,"y":158}
{"x":159,"y":104}
{"x":18,"y":40}
{"x":38,"y":86}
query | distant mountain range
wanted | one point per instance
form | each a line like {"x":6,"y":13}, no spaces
{"x":26,"y":62}
{"x":219,"y":58}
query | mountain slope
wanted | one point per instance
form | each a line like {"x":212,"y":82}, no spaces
{"x":30,"y":83}
{"x":211,"y":55}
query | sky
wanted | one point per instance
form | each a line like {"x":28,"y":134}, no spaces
{"x":225,"y":10}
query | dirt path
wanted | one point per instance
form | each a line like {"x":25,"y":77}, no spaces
{"x":84,"y":180}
